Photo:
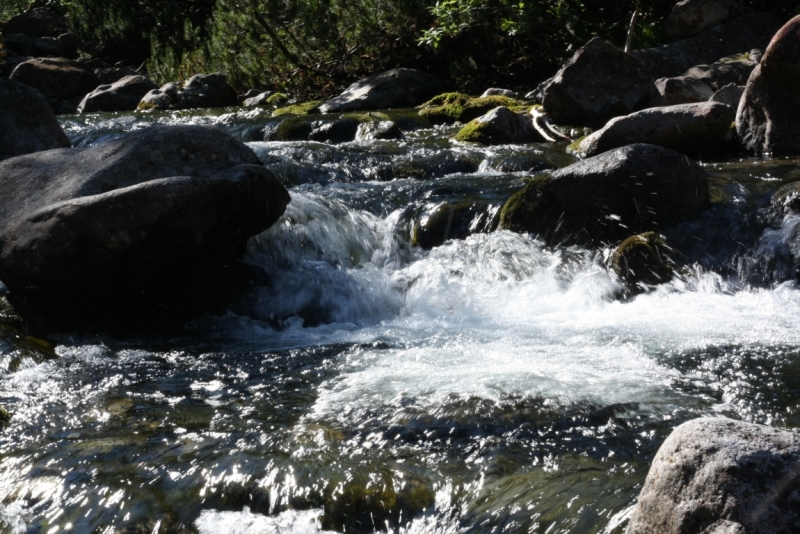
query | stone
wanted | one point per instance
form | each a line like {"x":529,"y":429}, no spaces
{"x":768,"y":119}
{"x":199,"y":91}
{"x":37,"y":22}
{"x":439,"y":223}
{"x":123,"y":95}
{"x":111,"y":75}
{"x":599,"y":82}
{"x":339,"y":131}
{"x":259,"y":99}
{"x":8,"y":66}
{"x":682,"y":90}
{"x":249,"y":94}
{"x":135,"y":233}
{"x":26,"y":45}
{"x":734,"y":37}
{"x":289,"y":129}
{"x":629,"y":190}
{"x":494,"y":91}
{"x":732,"y":69}
{"x":378,"y":130}
{"x":396,"y":88}
{"x":500,"y":126}
{"x":731,"y":94}
{"x":691,"y":129}
{"x":58,"y":79}
{"x":449,"y":108}
{"x":690,"y":17}
{"x":27,"y":123}
{"x":715,"y":476}
{"x":70,"y":43}
{"x":642,"y":261}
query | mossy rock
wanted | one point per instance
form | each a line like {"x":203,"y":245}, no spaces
{"x":5,"y":418}
{"x":306,"y":108}
{"x":145,"y":106}
{"x":575,"y":148}
{"x":289,"y":129}
{"x":482,"y":133}
{"x":643,"y":260}
{"x":277,"y":99}
{"x":462,"y":108}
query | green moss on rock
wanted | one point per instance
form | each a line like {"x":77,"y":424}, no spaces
{"x":277,"y":99}
{"x":642,"y":260}
{"x":293,"y":129}
{"x":5,"y":418}
{"x":482,"y":133}
{"x":457,"y":107}
{"x":306,"y":108}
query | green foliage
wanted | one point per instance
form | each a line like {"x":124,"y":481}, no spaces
{"x":9,"y":8}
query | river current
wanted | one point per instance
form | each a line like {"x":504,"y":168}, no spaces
{"x":490,"y":384}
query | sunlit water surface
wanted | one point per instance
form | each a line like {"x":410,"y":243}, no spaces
{"x":487,"y":385}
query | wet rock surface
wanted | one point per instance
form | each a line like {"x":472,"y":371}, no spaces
{"x":607,"y":198}
{"x":598,"y":83}
{"x":63,"y":82}
{"x":27,"y":123}
{"x":499,"y":126}
{"x":396,"y":88}
{"x":691,"y":129}
{"x":734,"y":37}
{"x":730,"y":94}
{"x":642,"y":261}
{"x":122,"y":236}
{"x":722,"y":476}
{"x":768,"y":119}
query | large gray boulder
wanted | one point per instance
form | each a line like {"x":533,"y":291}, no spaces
{"x":500,"y":126}
{"x":768,"y":119}
{"x":727,"y":70}
{"x":599,"y":82}
{"x":133,"y":233}
{"x":63,"y":82}
{"x":720,"y":476}
{"x":396,"y":88}
{"x":690,"y":17}
{"x":692,"y":129}
{"x":199,"y":91}
{"x":604,"y":199}
{"x":734,"y":37}
{"x":27,"y":124}
{"x":122,"y":95}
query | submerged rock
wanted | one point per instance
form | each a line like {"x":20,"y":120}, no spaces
{"x":134,"y":233}
{"x":642,"y":260}
{"x":690,"y":17}
{"x":768,"y":119}
{"x":123,"y":95}
{"x":734,"y":37}
{"x":606,"y":198}
{"x":687,"y":128}
{"x":452,"y":220}
{"x":499,"y":126}
{"x":598,"y":83}
{"x":682,"y":90}
{"x":396,"y":88}
{"x":199,"y":91}
{"x":718,"y":476}
{"x":27,"y":123}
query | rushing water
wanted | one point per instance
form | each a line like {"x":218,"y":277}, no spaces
{"x":489,"y":384}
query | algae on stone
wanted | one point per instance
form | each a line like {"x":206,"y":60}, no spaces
{"x":449,"y":108}
{"x":305,"y":108}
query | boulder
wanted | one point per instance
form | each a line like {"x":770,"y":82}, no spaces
{"x":27,"y":124}
{"x":682,"y":90}
{"x":449,"y":108}
{"x":634,"y":189}
{"x":494,"y":91}
{"x":199,"y":91}
{"x":111,"y":75}
{"x":768,"y":119}
{"x":138,"y":231}
{"x":731,"y":94}
{"x":123,"y":95}
{"x":37,"y":22}
{"x":288,"y":129}
{"x":642,"y":261}
{"x":8,"y":66}
{"x":716,"y":476}
{"x":732,"y":69}
{"x":500,"y":126}
{"x":692,"y":129}
{"x":259,"y":99}
{"x":598,"y":83}
{"x":734,"y":37}
{"x":396,"y":88}
{"x":378,"y":130}
{"x":60,"y":80}
{"x":249,"y":94}
{"x":339,"y":131}
{"x":25,"y":45}
{"x":690,"y":17}
{"x":439,"y":223}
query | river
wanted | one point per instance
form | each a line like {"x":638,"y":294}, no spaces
{"x":490,"y":384}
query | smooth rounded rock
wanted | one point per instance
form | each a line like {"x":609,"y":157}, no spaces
{"x":199,"y":91}
{"x":682,"y":90}
{"x":58,"y":79}
{"x":122,"y":95}
{"x":716,"y":476}
{"x":27,"y":123}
